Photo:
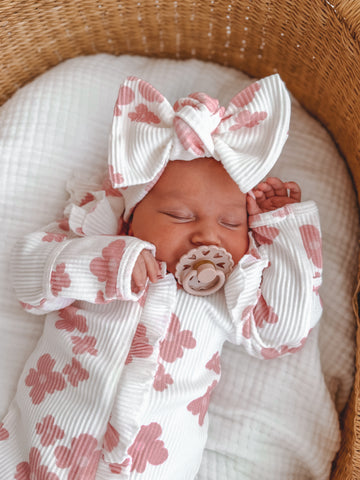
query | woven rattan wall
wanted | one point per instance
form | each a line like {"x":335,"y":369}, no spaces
{"x":313,"y":44}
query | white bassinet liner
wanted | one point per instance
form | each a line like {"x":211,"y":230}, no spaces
{"x":268,"y":419}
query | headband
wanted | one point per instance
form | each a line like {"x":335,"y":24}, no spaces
{"x":246,"y":137}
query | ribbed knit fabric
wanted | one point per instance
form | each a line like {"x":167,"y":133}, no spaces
{"x":119,"y":384}
{"x":247,"y":136}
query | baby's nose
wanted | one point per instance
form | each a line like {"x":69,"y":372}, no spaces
{"x":205,"y":235}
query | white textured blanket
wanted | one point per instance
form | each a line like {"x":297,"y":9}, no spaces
{"x":268,"y":419}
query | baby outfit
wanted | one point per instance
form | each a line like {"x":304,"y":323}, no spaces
{"x":119,"y":383}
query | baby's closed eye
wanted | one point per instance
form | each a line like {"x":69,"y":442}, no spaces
{"x":180,"y":215}
{"x":232,"y":222}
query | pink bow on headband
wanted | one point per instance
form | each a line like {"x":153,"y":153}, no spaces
{"x":247,"y":136}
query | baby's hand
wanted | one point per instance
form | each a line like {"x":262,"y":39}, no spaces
{"x":272,"y":194}
{"x":146,"y":266}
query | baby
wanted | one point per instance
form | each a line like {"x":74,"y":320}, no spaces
{"x":199,"y":204}
{"x":120,"y":381}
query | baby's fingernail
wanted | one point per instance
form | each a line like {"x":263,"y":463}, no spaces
{"x":251,"y":194}
{"x":161,"y":271}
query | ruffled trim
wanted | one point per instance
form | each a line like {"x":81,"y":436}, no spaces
{"x":138,"y":376}
{"x":242,"y":287}
{"x":96,"y":217}
{"x":79,"y":187}
{"x":94,"y":206}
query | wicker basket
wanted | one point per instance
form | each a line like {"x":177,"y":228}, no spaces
{"x":313,"y":44}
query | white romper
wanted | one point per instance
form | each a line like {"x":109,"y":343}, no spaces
{"x":119,"y":384}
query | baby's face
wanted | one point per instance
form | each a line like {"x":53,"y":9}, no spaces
{"x":193,"y":203}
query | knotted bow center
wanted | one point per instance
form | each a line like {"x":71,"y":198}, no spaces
{"x":196,"y":118}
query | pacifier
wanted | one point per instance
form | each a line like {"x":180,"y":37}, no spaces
{"x":204,"y":270}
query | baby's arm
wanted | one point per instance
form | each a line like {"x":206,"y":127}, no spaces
{"x":274,"y":294}
{"x":59,"y":264}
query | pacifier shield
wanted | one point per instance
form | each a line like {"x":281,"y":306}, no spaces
{"x":203,"y":270}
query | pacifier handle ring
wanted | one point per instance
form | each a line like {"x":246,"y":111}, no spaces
{"x":202,"y":293}
{"x":206,"y":271}
{"x":203,"y":270}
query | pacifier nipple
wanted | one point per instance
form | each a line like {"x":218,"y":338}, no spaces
{"x":203,"y":270}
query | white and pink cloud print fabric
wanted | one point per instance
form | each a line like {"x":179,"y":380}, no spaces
{"x":119,"y":384}
{"x":147,"y":132}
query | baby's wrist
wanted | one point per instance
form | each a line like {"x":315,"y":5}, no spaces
{"x":285,"y":213}
{"x":134,"y":247}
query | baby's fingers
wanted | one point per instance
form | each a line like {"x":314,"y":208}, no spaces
{"x":139,"y":277}
{"x":294,"y":190}
{"x":153,"y":269}
{"x":252,"y":205}
{"x":264,"y":190}
{"x":278,"y":186}
{"x":145,"y":267}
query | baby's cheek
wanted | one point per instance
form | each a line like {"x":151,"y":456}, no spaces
{"x":165,"y":252}
{"x":162,"y":251}
{"x":240,"y":247}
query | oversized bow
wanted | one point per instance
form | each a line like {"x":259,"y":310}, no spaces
{"x":247,"y":136}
